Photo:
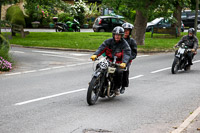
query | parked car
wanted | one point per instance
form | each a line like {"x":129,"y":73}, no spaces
{"x":188,"y":18}
{"x":160,"y":23}
{"x":106,"y":23}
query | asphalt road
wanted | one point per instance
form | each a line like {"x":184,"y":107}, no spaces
{"x":46,"y":92}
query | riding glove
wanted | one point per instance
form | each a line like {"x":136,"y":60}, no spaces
{"x":123,"y":65}
{"x":93,"y":57}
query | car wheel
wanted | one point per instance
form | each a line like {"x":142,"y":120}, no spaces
{"x":198,"y":26}
{"x":101,"y":30}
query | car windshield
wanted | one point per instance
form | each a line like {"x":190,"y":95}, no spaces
{"x":155,"y":21}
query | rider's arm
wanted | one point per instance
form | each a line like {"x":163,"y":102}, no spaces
{"x":126,"y":52}
{"x":133,"y":47}
{"x":196,"y":43}
{"x":181,"y":41}
{"x":102,"y":48}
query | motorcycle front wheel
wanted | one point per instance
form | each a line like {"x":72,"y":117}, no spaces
{"x":175,"y":66}
{"x":93,"y":91}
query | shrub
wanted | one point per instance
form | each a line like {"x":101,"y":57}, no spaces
{"x":15,"y":15}
{"x":64,"y":17}
{"x":5,"y":65}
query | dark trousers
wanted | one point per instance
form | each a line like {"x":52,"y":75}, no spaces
{"x":125,"y":80}
{"x":118,"y":78}
{"x":190,"y":56}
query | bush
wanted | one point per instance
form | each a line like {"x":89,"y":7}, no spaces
{"x":64,"y":17}
{"x":5,"y":65}
{"x":15,"y":15}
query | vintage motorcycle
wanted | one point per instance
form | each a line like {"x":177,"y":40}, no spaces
{"x":102,"y":83}
{"x":67,"y":27}
{"x":181,"y":60}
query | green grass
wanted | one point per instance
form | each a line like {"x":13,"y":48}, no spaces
{"x":91,"y":41}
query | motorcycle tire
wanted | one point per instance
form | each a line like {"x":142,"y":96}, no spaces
{"x":93,"y":91}
{"x":175,"y":66}
{"x":58,"y":30}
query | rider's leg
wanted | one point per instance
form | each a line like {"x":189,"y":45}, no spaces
{"x":190,"y":57}
{"x":118,"y":80}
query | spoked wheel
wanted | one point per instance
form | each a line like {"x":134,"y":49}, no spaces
{"x":93,"y":91}
{"x":175,"y":66}
{"x":58,"y":30}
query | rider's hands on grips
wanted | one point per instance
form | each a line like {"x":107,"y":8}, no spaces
{"x":193,"y":50}
{"x":123,"y":65}
{"x":93,"y":57}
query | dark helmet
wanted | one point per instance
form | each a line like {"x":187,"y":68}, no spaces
{"x":191,"y":30}
{"x":128,"y":26}
{"x":118,"y":30}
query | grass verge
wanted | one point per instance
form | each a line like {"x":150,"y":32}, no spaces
{"x":91,"y":41}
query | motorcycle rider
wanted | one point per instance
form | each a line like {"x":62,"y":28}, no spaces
{"x":132,"y":44}
{"x":115,"y":46}
{"x":191,"y":41}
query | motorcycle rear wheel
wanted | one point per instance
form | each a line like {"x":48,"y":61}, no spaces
{"x":93,"y":91}
{"x":175,"y":66}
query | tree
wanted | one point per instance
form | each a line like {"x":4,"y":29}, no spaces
{"x":143,"y":8}
{"x":4,"y":2}
{"x":196,"y":15}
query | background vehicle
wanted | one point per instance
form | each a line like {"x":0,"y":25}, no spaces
{"x":188,"y":18}
{"x":102,"y":83}
{"x":66,"y":27}
{"x":106,"y":23}
{"x":160,"y":23}
{"x":180,"y":60}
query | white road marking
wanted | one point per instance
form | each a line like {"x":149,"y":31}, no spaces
{"x":196,"y":61}
{"x":58,"y":67}
{"x":45,"y":69}
{"x":142,"y":56}
{"x":62,"y":56}
{"x":13,"y":73}
{"x":187,"y":121}
{"x":136,"y":77}
{"x":76,"y":54}
{"x":47,"y":52}
{"x":17,"y":52}
{"x":161,"y":70}
{"x":31,"y":71}
{"x":47,"y":97}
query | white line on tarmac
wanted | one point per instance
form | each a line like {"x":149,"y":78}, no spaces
{"x":47,"y":52}
{"x":47,"y":97}
{"x":187,"y":121}
{"x":17,"y":52}
{"x":31,"y":71}
{"x":161,"y":70}
{"x":135,"y":77}
{"x":196,"y":61}
{"x":10,"y":74}
{"x":62,"y":56}
{"x":142,"y":56}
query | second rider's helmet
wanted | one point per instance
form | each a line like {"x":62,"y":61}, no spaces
{"x":128,"y":26}
{"x":118,"y":30}
{"x":191,"y":30}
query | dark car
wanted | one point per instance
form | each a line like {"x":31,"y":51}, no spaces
{"x":188,"y":18}
{"x":106,"y":23}
{"x":160,"y":23}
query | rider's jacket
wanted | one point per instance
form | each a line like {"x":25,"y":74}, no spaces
{"x":133,"y":46}
{"x":111,"y":49}
{"x":190,"y":42}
